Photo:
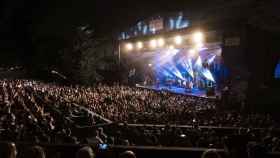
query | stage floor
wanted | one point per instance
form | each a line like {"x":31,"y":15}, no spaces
{"x":178,"y":90}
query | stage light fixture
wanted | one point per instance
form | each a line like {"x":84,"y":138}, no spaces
{"x":129,"y":46}
{"x":153,"y":43}
{"x":160,"y":42}
{"x":198,"y":37}
{"x":178,"y":40}
{"x":139,"y":45}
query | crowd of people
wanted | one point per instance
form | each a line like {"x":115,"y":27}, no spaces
{"x":185,"y":136}
{"x":10,"y":150}
{"x":30,"y":114}
{"x":135,"y":105}
{"x":33,"y":111}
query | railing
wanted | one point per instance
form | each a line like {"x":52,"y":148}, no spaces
{"x":201,"y":127}
{"x":93,"y":113}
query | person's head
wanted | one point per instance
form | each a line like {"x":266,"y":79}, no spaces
{"x":127,"y":154}
{"x":85,"y":152}
{"x":8,"y":150}
{"x":211,"y":153}
{"x":36,"y":152}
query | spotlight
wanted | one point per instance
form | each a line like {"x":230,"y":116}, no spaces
{"x":129,"y":46}
{"x":198,"y":45}
{"x":160,"y":42}
{"x":191,"y":52}
{"x":178,"y":40}
{"x":139,"y":45}
{"x":153,"y":43}
{"x":150,"y":65}
{"x":198,"y":37}
{"x":171,"y":47}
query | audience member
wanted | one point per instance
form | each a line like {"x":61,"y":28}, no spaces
{"x":85,"y":152}
{"x":127,"y":154}
{"x":8,"y":150}
{"x":36,"y":152}
{"x":211,"y":153}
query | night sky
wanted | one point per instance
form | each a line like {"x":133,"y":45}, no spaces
{"x":58,"y":16}
{"x":24,"y":22}
{"x":123,"y":13}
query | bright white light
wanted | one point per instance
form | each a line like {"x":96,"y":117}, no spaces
{"x":153,"y":43}
{"x":150,"y":65}
{"x":160,"y":42}
{"x":171,"y":47}
{"x":198,"y":63}
{"x":190,"y":67}
{"x":129,"y":46}
{"x":198,"y":37}
{"x":178,"y":40}
{"x":199,"y":45}
{"x":209,"y":61}
{"x":139,"y":45}
{"x":208,"y":75}
{"x":191,"y":52}
{"x":173,"y":51}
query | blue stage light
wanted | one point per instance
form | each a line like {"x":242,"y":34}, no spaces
{"x":189,"y":68}
{"x":123,"y":36}
{"x":171,"y":23}
{"x":172,"y":69}
{"x":210,"y":60}
{"x":177,"y":65}
{"x":208,"y":75}
{"x":139,"y":26}
{"x":165,"y":56}
{"x":277,"y":71}
{"x":184,"y":24}
{"x":178,"y":21}
{"x":145,"y":29}
{"x":198,"y":63}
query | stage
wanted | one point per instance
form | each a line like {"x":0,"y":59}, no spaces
{"x":178,"y":90}
{"x":191,"y":68}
